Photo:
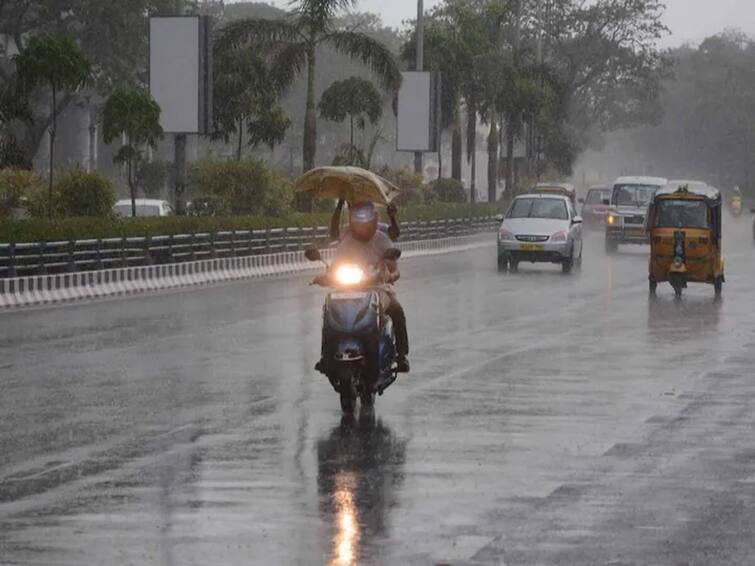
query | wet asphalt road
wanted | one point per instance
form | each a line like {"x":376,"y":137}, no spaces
{"x":548,"y":420}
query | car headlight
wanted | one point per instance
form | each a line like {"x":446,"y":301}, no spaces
{"x":613,"y":220}
{"x":349,"y":275}
{"x":560,"y":236}
{"x":506,"y":235}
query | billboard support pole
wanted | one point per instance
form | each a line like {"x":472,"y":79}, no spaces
{"x":420,"y":64}
{"x":179,"y":154}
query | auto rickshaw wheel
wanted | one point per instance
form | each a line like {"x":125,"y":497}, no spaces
{"x":653,"y":285}
{"x":718,"y":285}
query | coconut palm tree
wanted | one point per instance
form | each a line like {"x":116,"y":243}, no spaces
{"x":292,"y":44}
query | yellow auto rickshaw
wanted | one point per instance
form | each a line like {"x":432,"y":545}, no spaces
{"x":684,"y":226}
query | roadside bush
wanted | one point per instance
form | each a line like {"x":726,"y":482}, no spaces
{"x":448,"y":190}
{"x":248,"y":187}
{"x":411,"y":185}
{"x":76,"y":194}
{"x":16,"y":185}
{"x":208,"y":206}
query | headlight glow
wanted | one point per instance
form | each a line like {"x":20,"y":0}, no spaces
{"x":349,"y":275}
{"x":610,"y":218}
{"x":560,"y":236}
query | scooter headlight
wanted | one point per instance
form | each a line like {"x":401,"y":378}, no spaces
{"x":349,"y":275}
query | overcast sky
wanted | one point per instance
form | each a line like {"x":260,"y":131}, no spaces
{"x":689,"y":20}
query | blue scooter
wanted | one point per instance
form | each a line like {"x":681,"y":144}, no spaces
{"x":359,"y":347}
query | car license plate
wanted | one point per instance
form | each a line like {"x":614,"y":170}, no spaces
{"x":532,"y":247}
{"x":348,"y":296}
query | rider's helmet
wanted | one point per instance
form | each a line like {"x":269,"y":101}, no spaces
{"x":363,"y":221}
{"x":737,"y":191}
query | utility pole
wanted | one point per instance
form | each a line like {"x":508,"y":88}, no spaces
{"x":179,"y":153}
{"x":419,"y":65}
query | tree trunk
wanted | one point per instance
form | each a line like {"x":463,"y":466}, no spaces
{"x":440,"y":155}
{"x":53,"y":130}
{"x":131,"y":187}
{"x":493,"y":158}
{"x":510,"y":139}
{"x":351,"y":140}
{"x":472,"y":148}
{"x":310,"y":120}
{"x":241,"y":140}
{"x":456,"y":146}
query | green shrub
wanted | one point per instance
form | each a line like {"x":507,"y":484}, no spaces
{"x":76,"y":194}
{"x":15,"y":186}
{"x":248,"y":187}
{"x":208,"y":206}
{"x":35,"y":230}
{"x":448,"y":190}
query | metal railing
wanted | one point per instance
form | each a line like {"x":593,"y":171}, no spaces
{"x":42,"y":258}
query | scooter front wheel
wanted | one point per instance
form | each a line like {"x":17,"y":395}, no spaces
{"x":346,"y":389}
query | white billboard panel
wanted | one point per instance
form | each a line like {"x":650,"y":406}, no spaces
{"x":418,"y":112}
{"x":179,"y":72}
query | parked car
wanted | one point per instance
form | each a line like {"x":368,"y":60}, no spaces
{"x":595,"y":206}
{"x":540,"y":228}
{"x":144,"y":207}
{"x":625,"y":219}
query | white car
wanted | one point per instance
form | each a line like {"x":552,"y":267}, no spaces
{"x":144,"y":207}
{"x":540,"y":228}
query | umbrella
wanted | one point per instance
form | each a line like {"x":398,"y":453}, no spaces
{"x":349,"y":183}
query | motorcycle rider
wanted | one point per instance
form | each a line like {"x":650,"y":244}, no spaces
{"x":363,"y":241}
{"x":391,"y":229}
{"x":736,"y":200}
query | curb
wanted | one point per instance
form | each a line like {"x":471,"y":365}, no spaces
{"x":19,"y":292}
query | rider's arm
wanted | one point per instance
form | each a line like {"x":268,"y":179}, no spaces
{"x":394,"y":274}
{"x":393,"y":230}
{"x":335,"y":221}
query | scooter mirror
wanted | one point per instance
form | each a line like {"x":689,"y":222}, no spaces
{"x":313,"y":254}
{"x":392,"y":254}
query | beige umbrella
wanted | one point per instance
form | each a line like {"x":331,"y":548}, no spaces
{"x":349,"y":183}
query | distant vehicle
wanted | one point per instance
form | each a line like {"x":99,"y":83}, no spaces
{"x":565,"y":189}
{"x":625,"y":220}
{"x":595,"y":206}
{"x":144,"y":207}
{"x":540,"y":228}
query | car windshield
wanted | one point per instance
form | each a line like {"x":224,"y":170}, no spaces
{"x":633,"y":195}
{"x":539,"y":208}
{"x":597,"y":196}
{"x":682,"y":214}
{"x":141,"y":210}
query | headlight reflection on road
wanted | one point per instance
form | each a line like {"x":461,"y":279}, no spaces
{"x":346,"y":540}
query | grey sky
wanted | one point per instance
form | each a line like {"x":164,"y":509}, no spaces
{"x":689,"y":20}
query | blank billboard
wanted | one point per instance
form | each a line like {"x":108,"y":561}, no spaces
{"x":418,"y":112}
{"x":180,"y":73}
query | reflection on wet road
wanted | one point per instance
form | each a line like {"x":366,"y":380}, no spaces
{"x":548,"y":420}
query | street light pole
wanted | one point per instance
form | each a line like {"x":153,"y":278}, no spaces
{"x":179,"y":153}
{"x":419,"y":65}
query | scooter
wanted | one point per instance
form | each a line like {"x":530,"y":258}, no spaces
{"x":359,"y":346}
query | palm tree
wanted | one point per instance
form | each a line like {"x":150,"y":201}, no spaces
{"x":292,"y":44}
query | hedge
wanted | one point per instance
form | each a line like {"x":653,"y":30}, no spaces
{"x":36,"y":230}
